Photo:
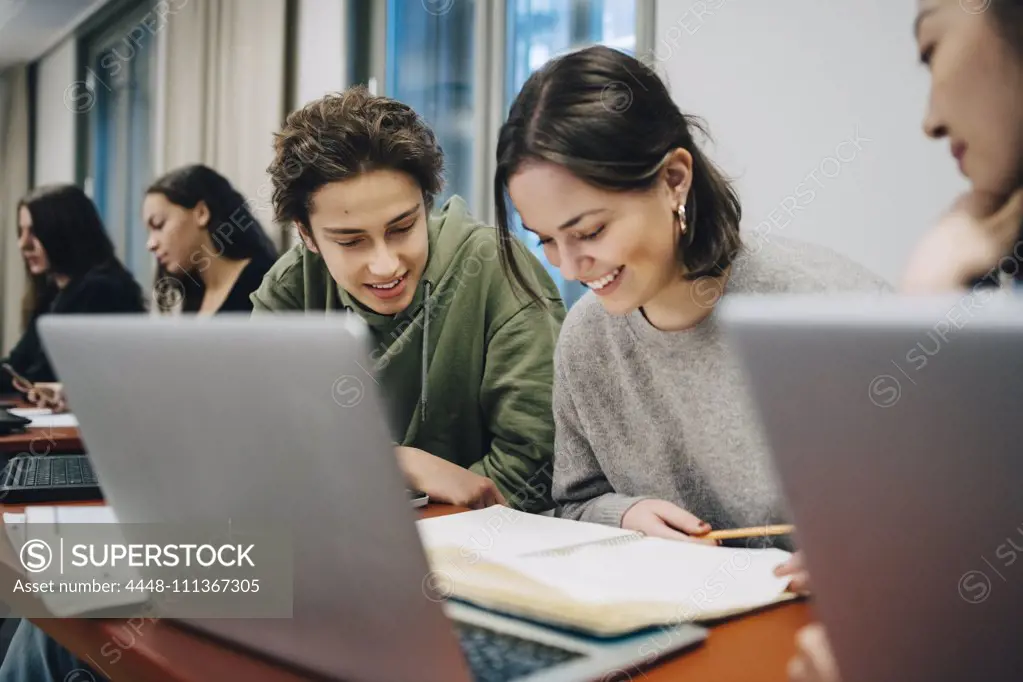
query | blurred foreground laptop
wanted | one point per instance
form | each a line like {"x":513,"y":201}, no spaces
{"x":241,"y":417}
{"x":895,"y":425}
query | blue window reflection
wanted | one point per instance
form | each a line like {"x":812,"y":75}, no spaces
{"x":120,"y":132}
{"x":541,"y":29}
{"x":430,"y":68}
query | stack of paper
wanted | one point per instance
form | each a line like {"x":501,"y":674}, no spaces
{"x":45,"y":419}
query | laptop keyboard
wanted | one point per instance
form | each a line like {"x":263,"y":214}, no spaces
{"x":499,"y":657}
{"x":51,"y":478}
{"x":46,"y":471}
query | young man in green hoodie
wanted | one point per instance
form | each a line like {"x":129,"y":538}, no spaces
{"x":464,"y":360}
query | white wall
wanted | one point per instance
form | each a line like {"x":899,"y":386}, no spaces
{"x":56,"y":93}
{"x":321,"y":62}
{"x":14,"y":183}
{"x":815,"y":108}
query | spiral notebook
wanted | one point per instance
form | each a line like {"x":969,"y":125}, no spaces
{"x":596,"y":579}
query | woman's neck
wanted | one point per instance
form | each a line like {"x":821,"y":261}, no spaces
{"x":61,"y":281}
{"x":685,"y":303}
{"x":221,"y":273}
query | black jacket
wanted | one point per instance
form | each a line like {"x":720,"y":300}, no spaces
{"x":248,"y":281}
{"x":106,"y":288}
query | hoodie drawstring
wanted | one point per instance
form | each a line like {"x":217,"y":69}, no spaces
{"x":426,"y":351}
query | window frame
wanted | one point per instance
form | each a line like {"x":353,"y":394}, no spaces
{"x":107,"y":30}
{"x":489,"y":74}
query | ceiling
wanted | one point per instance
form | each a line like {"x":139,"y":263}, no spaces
{"x":29,"y":28}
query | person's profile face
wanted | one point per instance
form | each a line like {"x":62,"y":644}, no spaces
{"x":976,"y":98}
{"x":176,"y":234}
{"x":621,"y":245}
{"x":31,"y":248}
{"x":371,"y":230}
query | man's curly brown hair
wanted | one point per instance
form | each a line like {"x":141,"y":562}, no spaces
{"x":343,"y":134}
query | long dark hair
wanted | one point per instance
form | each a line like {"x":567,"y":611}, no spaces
{"x":233,"y":229}
{"x":67,"y":224}
{"x":609,"y":119}
{"x":1008,"y":15}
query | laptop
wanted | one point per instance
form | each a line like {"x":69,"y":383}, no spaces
{"x":895,"y":427}
{"x":210,"y":410}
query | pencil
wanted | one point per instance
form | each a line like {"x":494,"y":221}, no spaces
{"x":739,"y":533}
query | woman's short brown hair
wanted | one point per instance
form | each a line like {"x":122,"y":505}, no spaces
{"x":343,"y":134}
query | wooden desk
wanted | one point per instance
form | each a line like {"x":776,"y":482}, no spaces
{"x":46,"y":441}
{"x":754,"y":648}
{"x":60,"y":441}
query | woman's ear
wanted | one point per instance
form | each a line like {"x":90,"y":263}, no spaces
{"x":678,"y":174}
{"x":202,"y":215}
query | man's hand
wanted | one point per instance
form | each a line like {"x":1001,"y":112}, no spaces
{"x":966,"y":244}
{"x":662,"y":519}
{"x":447,"y":482}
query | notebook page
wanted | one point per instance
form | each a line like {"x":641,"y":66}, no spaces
{"x":699,"y":578}
{"x":70,"y":514}
{"x":45,"y":419}
{"x":502,"y":531}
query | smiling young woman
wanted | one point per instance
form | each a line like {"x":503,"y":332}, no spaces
{"x":654,"y":429}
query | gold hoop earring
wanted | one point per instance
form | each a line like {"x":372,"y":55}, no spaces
{"x":681,"y":213}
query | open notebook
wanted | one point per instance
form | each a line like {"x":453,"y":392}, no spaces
{"x":598,"y":579}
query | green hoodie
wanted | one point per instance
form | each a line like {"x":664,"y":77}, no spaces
{"x":468,"y":367}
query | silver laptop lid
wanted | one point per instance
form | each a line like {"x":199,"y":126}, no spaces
{"x":239,"y":417}
{"x":895,"y":425}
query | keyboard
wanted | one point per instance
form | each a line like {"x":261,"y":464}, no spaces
{"x":498,"y":657}
{"x":52,"y":478}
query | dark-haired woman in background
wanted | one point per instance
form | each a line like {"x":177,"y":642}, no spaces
{"x":211,"y":252}
{"x":976,"y":103}
{"x":72,"y":269}
{"x":654,"y":429}
{"x":975,"y":60}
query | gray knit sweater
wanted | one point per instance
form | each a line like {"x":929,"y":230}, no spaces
{"x":642,"y":413}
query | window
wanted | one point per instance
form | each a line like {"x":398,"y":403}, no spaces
{"x":119,"y":72}
{"x":541,"y":29}
{"x":430,"y":68}
{"x":538,"y":30}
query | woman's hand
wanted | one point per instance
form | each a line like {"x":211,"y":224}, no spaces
{"x":48,"y":395}
{"x":662,"y":519}
{"x":967,"y":244}
{"x":447,"y":482}
{"x":800,"y":582}
{"x":813,"y":661}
